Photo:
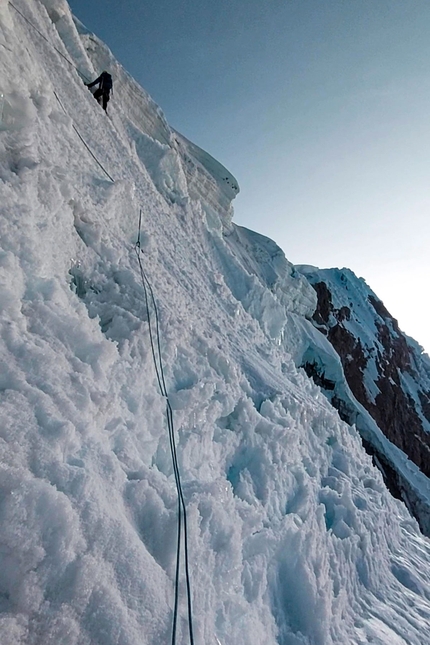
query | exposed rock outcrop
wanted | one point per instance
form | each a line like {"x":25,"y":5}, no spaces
{"x":387,"y":372}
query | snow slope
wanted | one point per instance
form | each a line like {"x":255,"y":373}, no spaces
{"x":293,"y":536}
{"x":376,"y":377}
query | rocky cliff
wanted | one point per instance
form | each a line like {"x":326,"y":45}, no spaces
{"x":387,"y":372}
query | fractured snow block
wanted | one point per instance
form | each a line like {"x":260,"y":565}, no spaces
{"x":56,"y":9}
{"x":16,"y":111}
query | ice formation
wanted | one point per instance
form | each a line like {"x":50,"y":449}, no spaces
{"x":293,"y":537}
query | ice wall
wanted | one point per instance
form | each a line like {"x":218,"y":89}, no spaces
{"x":179,"y":168}
{"x":293,"y":536}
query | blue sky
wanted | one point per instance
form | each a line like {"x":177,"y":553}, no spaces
{"x":320,"y":108}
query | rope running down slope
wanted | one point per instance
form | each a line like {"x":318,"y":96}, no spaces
{"x":156,"y":354}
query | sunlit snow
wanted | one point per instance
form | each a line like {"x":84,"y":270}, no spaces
{"x":293,"y":537}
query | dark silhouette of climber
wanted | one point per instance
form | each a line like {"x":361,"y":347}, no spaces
{"x":104,"y":88}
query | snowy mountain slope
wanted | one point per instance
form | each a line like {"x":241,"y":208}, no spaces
{"x":388,"y":374}
{"x":293,"y":536}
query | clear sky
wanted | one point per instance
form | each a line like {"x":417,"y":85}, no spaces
{"x":320,"y":108}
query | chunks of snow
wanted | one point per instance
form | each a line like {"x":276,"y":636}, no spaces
{"x":17,"y":111}
{"x":292,"y":536}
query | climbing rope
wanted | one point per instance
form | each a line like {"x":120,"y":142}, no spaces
{"x":48,"y":41}
{"x":154,"y":336}
{"x":56,"y":95}
{"x":182,"y":511}
{"x":83,"y":140}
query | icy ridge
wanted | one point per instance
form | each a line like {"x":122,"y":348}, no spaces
{"x":294,"y":539}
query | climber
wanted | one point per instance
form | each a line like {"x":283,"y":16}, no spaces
{"x":103,"y":91}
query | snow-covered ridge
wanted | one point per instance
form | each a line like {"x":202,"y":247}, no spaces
{"x":387,"y":372}
{"x":293,"y":536}
{"x":208,"y":181}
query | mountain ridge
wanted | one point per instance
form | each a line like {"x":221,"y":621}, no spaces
{"x":293,"y":536}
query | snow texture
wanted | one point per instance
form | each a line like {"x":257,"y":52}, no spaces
{"x":293,"y":537}
{"x":363,"y":322}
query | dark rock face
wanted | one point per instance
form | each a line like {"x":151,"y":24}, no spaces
{"x":377,"y":378}
{"x":388,"y":359}
{"x":425,"y":404}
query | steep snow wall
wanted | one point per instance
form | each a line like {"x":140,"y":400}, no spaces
{"x":292,"y":535}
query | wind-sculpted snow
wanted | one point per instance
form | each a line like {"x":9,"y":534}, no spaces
{"x":293,"y":537}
